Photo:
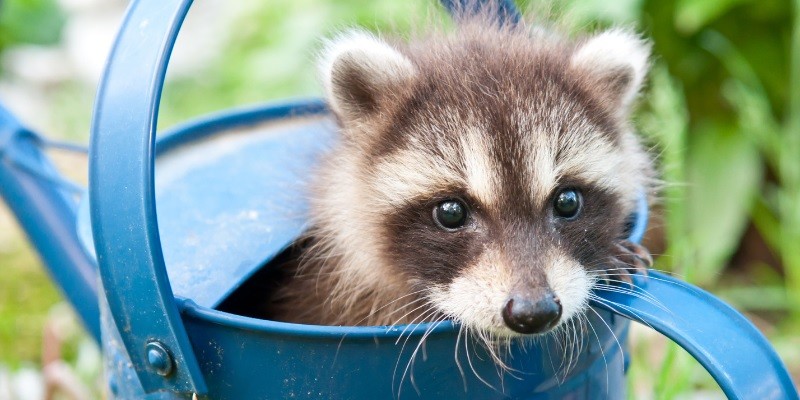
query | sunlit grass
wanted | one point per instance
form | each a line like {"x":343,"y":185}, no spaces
{"x":26,"y":295}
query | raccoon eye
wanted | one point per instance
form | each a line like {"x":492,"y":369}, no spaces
{"x":450,"y":214}
{"x":568,"y":203}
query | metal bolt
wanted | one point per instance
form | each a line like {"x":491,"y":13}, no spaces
{"x":159,"y":358}
{"x":113,"y":386}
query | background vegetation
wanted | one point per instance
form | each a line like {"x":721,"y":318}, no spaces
{"x":722,"y":110}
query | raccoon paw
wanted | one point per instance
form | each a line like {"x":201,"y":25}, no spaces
{"x":632,"y":259}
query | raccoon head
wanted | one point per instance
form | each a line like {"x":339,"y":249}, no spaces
{"x":489,"y":171}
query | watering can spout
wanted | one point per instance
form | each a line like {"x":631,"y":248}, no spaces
{"x":44,"y":204}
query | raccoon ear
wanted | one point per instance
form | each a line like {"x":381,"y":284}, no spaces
{"x":615,"y":62}
{"x":359,"y":70}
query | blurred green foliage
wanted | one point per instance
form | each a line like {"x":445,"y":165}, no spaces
{"x":270,"y":54}
{"x":25,"y":297}
{"x":29,"y":22}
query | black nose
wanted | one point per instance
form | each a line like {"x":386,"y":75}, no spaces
{"x":532,"y":314}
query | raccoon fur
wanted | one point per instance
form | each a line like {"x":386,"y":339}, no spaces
{"x":483,"y":175}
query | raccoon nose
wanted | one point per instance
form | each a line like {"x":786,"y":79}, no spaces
{"x":524,"y":314}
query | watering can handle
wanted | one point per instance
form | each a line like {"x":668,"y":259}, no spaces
{"x":122,"y":198}
{"x":737,"y":355}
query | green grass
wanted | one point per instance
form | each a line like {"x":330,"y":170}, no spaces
{"x":26,"y":296}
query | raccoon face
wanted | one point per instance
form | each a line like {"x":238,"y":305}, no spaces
{"x":492,"y":171}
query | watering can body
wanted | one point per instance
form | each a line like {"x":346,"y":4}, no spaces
{"x":172,"y":243}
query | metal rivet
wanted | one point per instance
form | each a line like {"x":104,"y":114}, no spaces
{"x":159,"y":358}
{"x":112,"y":385}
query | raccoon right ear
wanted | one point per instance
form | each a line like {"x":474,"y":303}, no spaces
{"x":359,"y":71}
{"x":615,"y":63}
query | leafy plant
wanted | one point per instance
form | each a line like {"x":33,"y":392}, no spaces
{"x":29,"y":21}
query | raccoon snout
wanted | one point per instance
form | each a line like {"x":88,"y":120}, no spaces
{"x":529,"y":314}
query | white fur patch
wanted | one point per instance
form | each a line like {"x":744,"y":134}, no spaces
{"x":409,"y":174}
{"x":416,"y":172}
{"x":595,"y":159}
{"x":477,"y":296}
{"x":614,"y":49}
{"x":570,"y":283}
{"x":540,"y":150}
{"x":584,"y":154}
{"x":480,"y":168}
{"x":543,"y":170}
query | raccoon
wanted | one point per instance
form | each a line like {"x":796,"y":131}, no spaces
{"x":483,"y":175}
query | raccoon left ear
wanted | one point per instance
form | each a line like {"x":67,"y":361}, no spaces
{"x":615,"y":62}
{"x":359,"y":71}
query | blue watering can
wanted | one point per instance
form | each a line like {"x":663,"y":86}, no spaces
{"x":228,"y":202}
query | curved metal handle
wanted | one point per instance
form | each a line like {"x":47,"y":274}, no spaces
{"x":122,"y":197}
{"x":737,"y":355}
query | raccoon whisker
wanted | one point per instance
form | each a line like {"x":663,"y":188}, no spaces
{"x":455,"y":356}
{"x":565,"y":333}
{"x":492,"y":347}
{"x":579,"y":337}
{"x":600,"y":345}
{"x":496,"y":346}
{"x":667,"y":272}
{"x":374,"y":310}
{"x":641,"y":295}
{"x":481,"y":336}
{"x":472,"y":367}
{"x":561,"y":338}
{"x":413,"y":358}
{"x":390,"y":326}
{"x":402,"y":349}
{"x":622,"y":306}
{"x":575,"y":344}
{"x":592,"y":270}
{"x":425,"y":314}
{"x":375,"y":319}
{"x":566,"y":337}
{"x":614,"y":335}
{"x":676,"y":283}
{"x":582,"y":322}
{"x":615,"y":262}
{"x":573,"y":347}
{"x":552,"y":364}
{"x":398,"y":308}
{"x":621,"y":286}
{"x":567,"y":356}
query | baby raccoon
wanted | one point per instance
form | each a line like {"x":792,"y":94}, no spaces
{"x":484,"y":175}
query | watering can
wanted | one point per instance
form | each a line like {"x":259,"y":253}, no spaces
{"x":180,"y":229}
